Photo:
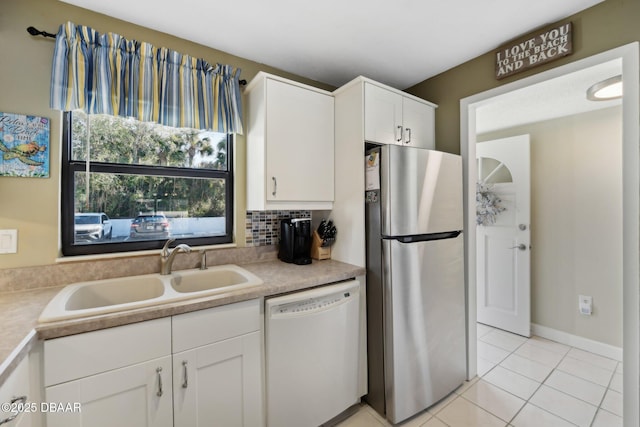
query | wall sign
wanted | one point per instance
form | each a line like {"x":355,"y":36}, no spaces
{"x":24,"y":146}
{"x":551,"y":45}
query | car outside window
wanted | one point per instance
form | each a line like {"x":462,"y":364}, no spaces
{"x":92,"y":227}
{"x":142,"y":183}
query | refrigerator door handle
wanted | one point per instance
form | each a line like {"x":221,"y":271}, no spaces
{"x":425,"y":237}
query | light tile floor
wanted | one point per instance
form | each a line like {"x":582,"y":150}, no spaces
{"x":524,"y":383}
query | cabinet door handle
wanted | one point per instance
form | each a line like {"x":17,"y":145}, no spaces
{"x":16,"y":401}
{"x":185,"y":379}
{"x":275,"y":186}
{"x":399,"y":137}
{"x":158,"y":371}
{"x":408,"y":136}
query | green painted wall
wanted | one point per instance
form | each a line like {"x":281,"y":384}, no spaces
{"x":31,"y":205}
{"x":608,"y":25}
{"x":605,"y":26}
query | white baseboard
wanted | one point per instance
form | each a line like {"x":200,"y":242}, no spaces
{"x":582,"y":343}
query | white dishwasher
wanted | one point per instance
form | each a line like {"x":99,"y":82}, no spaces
{"x":312,"y":350}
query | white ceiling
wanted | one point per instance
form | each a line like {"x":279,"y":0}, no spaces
{"x":397,"y":42}
{"x":558,"y":97}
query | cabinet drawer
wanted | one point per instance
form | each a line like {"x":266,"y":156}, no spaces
{"x":81,"y":355}
{"x":204,"y":327}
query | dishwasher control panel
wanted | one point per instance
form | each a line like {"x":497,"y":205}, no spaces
{"x":312,"y":304}
{"x":315,"y":300}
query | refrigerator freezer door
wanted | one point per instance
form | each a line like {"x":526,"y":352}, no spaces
{"x":425,"y":353}
{"x":421,"y":191}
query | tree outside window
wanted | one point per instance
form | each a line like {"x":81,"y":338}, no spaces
{"x":152,"y":182}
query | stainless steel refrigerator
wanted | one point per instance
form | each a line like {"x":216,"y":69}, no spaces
{"x":415,"y":278}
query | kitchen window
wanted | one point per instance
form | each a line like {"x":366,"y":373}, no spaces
{"x":129,"y":185}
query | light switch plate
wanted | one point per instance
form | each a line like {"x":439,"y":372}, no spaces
{"x":8,"y":241}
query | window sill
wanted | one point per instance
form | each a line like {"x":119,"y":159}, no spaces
{"x":133,"y":254}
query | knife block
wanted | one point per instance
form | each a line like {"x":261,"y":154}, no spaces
{"x":317,"y":251}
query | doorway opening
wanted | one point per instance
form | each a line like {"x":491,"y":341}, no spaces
{"x":628,"y":55}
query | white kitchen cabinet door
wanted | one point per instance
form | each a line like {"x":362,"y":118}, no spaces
{"x":14,"y":387}
{"x":382,"y":115}
{"x":299,"y":144}
{"x":134,"y":396}
{"x":290,"y":145}
{"x":418,"y":121}
{"x":392,"y":118}
{"x":219,"y":384}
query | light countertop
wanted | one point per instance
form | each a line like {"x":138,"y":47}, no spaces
{"x":20,"y":310}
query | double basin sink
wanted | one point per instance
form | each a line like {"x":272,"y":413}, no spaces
{"x":126,"y":293}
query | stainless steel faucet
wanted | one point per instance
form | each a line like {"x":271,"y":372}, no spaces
{"x":167,"y":255}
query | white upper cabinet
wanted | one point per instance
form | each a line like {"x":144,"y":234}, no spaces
{"x":391,"y":117}
{"x":419,"y":124}
{"x":382,"y":115}
{"x":290,"y":145}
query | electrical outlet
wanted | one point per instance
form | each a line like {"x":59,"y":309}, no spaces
{"x":585,"y":304}
{"x":8,"y":241}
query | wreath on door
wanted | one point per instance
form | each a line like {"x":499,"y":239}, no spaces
{"x":488,"y":205}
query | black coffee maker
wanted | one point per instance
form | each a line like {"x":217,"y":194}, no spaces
{"x":295,"y":241}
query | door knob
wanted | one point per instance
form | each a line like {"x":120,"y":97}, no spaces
{"x":521,"y":247}
{"x":522,"y":227}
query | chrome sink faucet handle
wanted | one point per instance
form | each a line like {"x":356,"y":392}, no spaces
{"x":167,"y":256}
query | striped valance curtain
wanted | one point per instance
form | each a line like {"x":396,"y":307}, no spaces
{"x":108,"y":74}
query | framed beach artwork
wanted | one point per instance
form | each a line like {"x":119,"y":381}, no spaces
{"x":24,"y":146}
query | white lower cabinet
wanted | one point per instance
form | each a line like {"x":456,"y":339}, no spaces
{"x":116,"y":376}
{"x":219,"y":384}
{"x":203,"y":368}
{"x":134,"y":396}
{"x":16,"y":392}
{"x":217,"y":366}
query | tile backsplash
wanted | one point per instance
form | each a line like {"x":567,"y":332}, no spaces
{"x":263,"y":227}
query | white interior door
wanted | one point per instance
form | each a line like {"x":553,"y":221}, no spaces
{"x":503,"y":246}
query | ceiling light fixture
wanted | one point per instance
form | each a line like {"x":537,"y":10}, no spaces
{"x":606,"y":90}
